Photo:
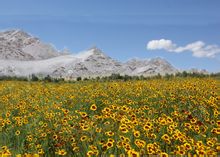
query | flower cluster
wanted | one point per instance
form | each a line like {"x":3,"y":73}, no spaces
{"x":134,"y":118}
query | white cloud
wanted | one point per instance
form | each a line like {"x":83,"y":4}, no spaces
{"x":160,"y":44}
{"x":198,"y":48}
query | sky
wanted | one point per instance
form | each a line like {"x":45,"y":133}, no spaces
{"x":184,"y":32}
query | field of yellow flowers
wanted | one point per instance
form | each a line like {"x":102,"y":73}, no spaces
{"x":134,"y":118}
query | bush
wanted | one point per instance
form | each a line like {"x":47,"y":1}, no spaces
{"x":78,"y":78}
{"x":34,"y":78}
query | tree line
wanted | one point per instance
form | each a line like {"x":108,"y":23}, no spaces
{"x":48,"y":78}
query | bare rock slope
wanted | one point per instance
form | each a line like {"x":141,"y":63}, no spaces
{"x":19,"y":45}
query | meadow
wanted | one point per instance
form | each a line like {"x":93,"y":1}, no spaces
{"x":162,"y":117}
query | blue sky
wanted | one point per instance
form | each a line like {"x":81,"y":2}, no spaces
{"x":121,"y":28}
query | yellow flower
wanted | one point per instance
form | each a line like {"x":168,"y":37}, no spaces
{"x":76,"y":149}
{"x":122,"y":155}
{"x":210,"y":143}
{"x":83,"y":114}
{"x":41,"y":151}
{"x":85,"y":127}
{"x":187,"y":146}
{"x":4,"y":148}
{"x":124,"y":130}
{"x":93,"y":107}
{"x":133,"y":153}
{"x":109,"y":133}
{"x":140,"y":143}
{"x":137,"y":133}
{"x":17,"y":133}
{"x":92,"y":147}
{"x":98,"y":130}
{"x":62,"y":152}
{"x":193,"y":120}
{"x":55,"y":137}
{"x":109,"y":144}
{"x":111,"y":140}
{"x":89,"y":153}
{"x":147,"y":126}
{"x":163,"y":154}
{"x":43,"y":135}
{"x":165,"y":137}
{"x":83,"y":138}
{"x":218,"y":148}
{"x":38,"y":146}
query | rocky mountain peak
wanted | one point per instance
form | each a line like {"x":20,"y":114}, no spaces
{"x":18,"y":45}
{"x":14,"y":32}
{"x":158,"y":61}
{"x":96,"y":51}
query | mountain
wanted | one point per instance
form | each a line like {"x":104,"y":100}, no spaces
{"x":19,"y":45}
{"x":197,"y":71}
{"x":148,"y":67}
{"x":92,"y":62}
{"x":23,"y":55}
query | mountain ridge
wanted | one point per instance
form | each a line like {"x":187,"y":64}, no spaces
{"x":22,"y":54}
